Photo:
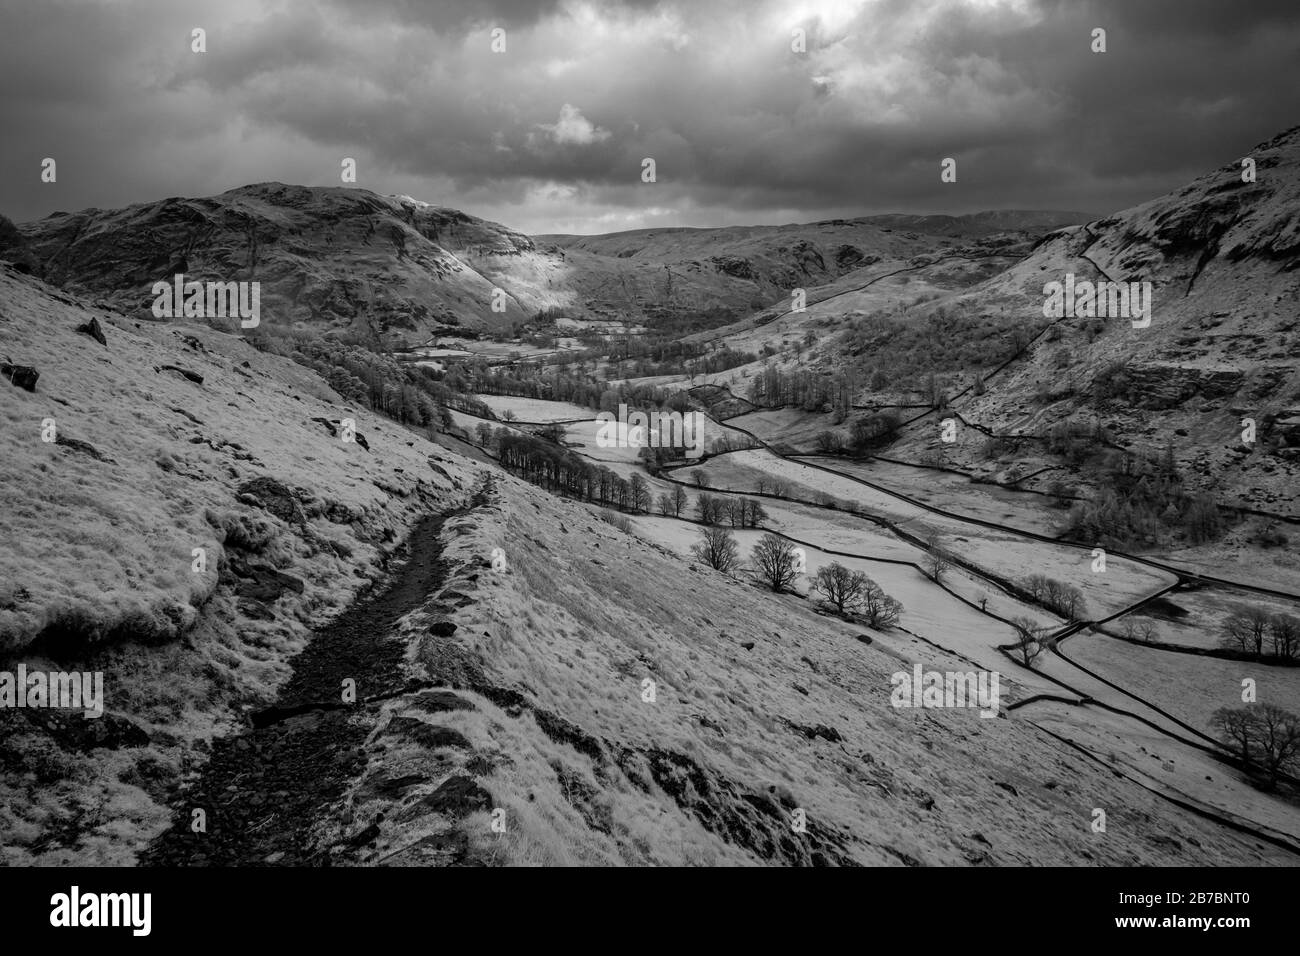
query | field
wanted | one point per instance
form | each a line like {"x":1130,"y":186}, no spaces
{"x":1001,"y":552}
{"x":535,"y":410}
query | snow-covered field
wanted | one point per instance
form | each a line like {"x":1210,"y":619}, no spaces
{"x":1163,"y":765}
{"x":535,"y":409}
{"x":1189,"y":686}
{"x":929,"y":611}
{"x":1004,"y":553}
{"x":1196,"y":618}
{"x":790,"y":426}
{"x":941,"y":489}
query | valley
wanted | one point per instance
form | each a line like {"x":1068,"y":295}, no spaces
{"x":367,"y":587}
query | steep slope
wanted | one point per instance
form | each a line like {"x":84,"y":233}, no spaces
{"x":328,"y":257}
{"x":188,"y":522}
{"x":521,"y":682}
{"x":1223,"y":345}
{"x":633,"y":709}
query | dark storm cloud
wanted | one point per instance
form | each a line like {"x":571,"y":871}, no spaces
{"x":550,"y":136}
{"x":457,"y":14}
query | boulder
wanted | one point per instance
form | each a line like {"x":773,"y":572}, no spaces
{"x":194,"y":377}
{"x":275,"y":497}
{"x":92,"y":328}
{"x":76,"y":444}
{"x":23,"y":376}
{"x":260,"y":582}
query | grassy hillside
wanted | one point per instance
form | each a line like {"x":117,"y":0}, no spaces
{"x":761,"y":707}
{"x":1222,"y":345}
{"x":98,"y":571}
{"x":530,"y":694}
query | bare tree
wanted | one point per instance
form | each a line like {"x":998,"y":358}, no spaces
{"x":1245,"y":630}
{"x":1064,"y":599}
{"x":1237,"y":727}
{"x":829,"y":442}
{"x":1029,"y":641}
{"x":1284,"y":633}
{"x":1278,"y":733}
{"x":700,"y":478}
{"x":708,"y":509}
{"x":718,"y":549}
{"x":841,"y":587}
{"x":665,"y":504}
{"x":640,"y":494}
{"x":1141,"y":630}
{"x":679,"y":500}
{"x":773,"y":559}
{"x":937,"y":560}
{"x":1265,"y":736}
{"x":878,"y":608}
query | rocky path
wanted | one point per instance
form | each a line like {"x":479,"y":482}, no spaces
{"x":265,"y":791}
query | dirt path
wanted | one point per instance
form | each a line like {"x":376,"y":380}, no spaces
{"x":265,"y":790}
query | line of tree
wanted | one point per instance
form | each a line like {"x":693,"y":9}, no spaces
{"x":1264,"y":736}
{"x":1065,"y":599}
{"x":812,"y":391}
{"x":1257,"y":634}
{"x":410,"y":394}
{"x":738,"y":512}
{"x":559,"y":470}
{"x":774,"y":562}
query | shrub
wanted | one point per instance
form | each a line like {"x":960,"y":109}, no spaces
{"x":621,"y":522}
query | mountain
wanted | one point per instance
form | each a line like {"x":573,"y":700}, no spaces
{"x":1037,"y":221}
{"x":1222,"y":257}
{"x":773,"y":260}
{"x":327,"y":258}
{"x":396,"y":270}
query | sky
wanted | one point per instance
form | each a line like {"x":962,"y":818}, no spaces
{"x":550,"y":134}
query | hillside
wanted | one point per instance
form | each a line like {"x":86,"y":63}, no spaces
{"x":518,"y":688}
{"x":773,"y":260}
{"x":1223,"y":344}
{"x":397,"y":270}
{"x":331,"y":258}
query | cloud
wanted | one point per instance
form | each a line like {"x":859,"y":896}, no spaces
{"x":574,"y":128}
{"x":741,"y":127}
